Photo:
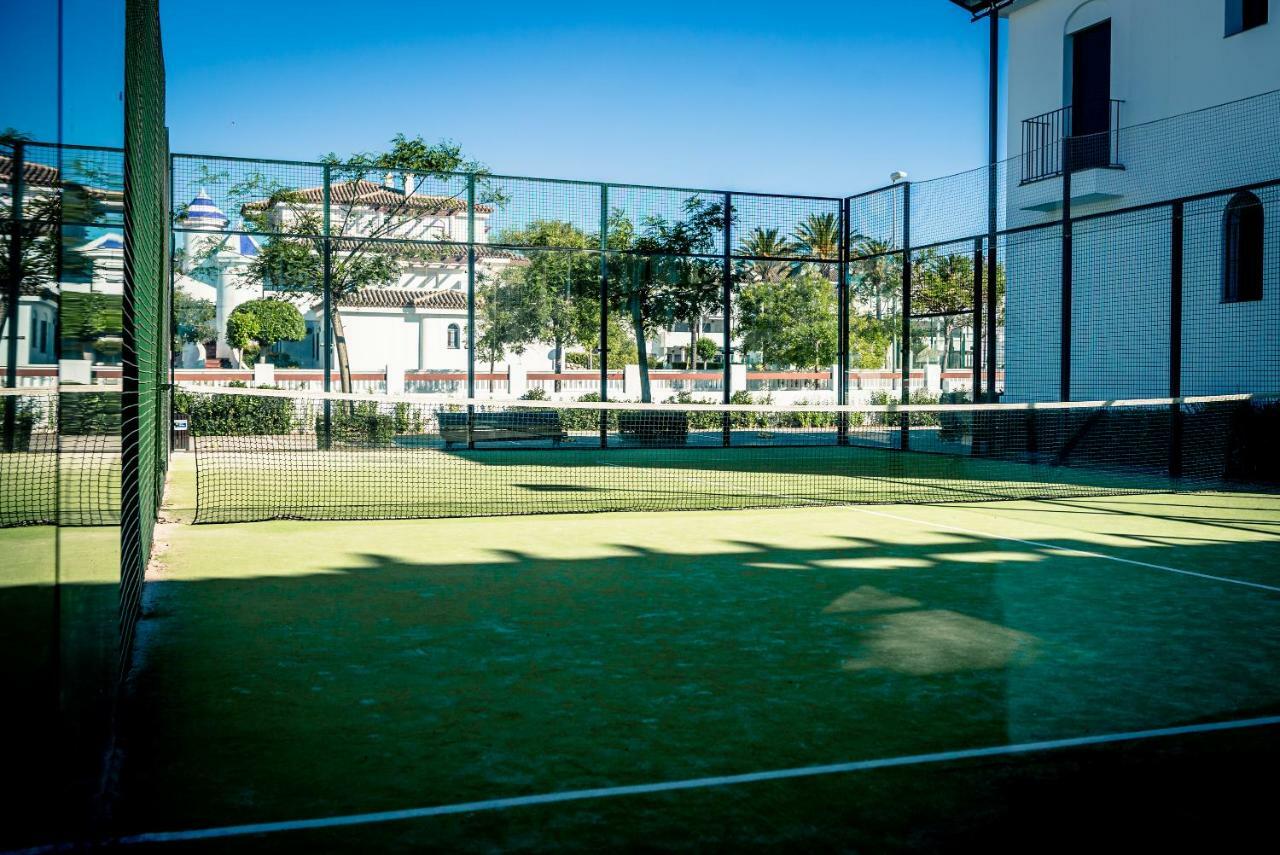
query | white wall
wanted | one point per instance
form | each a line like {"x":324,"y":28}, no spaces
{"x":1229,"y":347}
{"x":1169,"y":57}
{"x":29,"y":352}
{"x":378,"y":339}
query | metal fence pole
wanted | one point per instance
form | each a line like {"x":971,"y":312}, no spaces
{"x":326,"y":324}
{"x":993,"y":175}
{"x":1064,"y":379}
{"x":977,"y":319}
{"x":16,"y":167}
{"x":604,"y":312}
{"x":842,"y":326}
{"x":906,"y":312}
{"x":1175,"y":339}
{"x":726,"y":299}
{"x":471,"y":308}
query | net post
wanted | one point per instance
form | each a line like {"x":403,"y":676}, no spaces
{"x":604,"y":312}
{"x":905,"y":349}
{"x":471,"y":308}
{"x":16,"y":168}
{"x":1064,"y":378}
{"x":1175,"y":339}
{"x":326,"y":325}
{"x":842,"y":326}
{"x":726,"y":298}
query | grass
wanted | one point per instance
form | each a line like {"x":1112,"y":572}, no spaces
{"x":293,"y":669}
{"x":59,"y":617}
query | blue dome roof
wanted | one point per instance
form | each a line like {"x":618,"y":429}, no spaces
{"x":202,"y":210}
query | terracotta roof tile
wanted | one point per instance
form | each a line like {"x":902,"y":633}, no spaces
{"x":374,"y":195}
{"x":455,"y":253}
{"x":33,"y":173}
{"x":406,"y":298}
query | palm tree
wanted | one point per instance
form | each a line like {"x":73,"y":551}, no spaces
{"x":819,"y":236}
{"x":768,"y":244}
{"x":876,"y":273}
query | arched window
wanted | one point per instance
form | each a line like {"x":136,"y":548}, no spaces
{"x":1242,"y":231}
{"x":454,"y":339}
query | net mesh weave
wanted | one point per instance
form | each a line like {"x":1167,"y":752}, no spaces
{"x":287,"y":455}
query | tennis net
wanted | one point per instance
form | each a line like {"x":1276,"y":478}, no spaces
{"x":278,"y":454}
{"x":60,"y":456}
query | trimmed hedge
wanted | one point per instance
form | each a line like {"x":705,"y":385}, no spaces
{"x":235,"y":415}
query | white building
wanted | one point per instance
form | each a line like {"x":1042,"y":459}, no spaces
{"x":91,"y":262}
{"x":418,"y":323}
{"x":1181,"y":99}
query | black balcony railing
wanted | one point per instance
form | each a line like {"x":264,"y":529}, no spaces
{"x":1048,"y":137}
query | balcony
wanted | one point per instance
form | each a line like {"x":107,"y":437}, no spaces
{"x":1048,"y":137}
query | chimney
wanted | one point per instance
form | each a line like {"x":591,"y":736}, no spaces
{"x":410,"y":183}
{"x":389,"y":180}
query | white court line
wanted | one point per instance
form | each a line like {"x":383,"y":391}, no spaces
{"x":669,"y":786}
{"x":1067,"y":550}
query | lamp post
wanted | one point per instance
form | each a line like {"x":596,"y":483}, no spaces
{"x":894,"y":178}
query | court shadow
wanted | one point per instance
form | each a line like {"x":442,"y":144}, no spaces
{"x":374,"y":682}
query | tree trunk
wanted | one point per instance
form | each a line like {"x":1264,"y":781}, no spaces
{"x":946,"y":346}
{"x":642,"y":349}
{"x":340,"y":346}
{"x":693,"y":342}
{"x":559,"y":362}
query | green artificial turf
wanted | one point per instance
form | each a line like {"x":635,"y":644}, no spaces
{"x":300,"y":669}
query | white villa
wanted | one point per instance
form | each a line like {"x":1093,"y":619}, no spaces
{"x":1176,"y":94}
{"x":99,"y":270}
{"x":417,"y":324}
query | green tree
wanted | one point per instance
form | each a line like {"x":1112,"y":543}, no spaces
{"x":791,"y":323}
{"x":509,"y":313}
{"x":773,"y":248}
{"x":875,"y":276}
{"x":662,"y":278}
{"x":819,"y":237}
{"x":942,"y":286}
{"x":869,"y":340}
{"x":88,"y":317}
{"x":707,"y":349}
{"x":564,"y":283}
{"x":363,"y":216}
{"x":193,"y":320}
{"x":264,"y":323}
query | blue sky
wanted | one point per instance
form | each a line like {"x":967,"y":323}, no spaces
{"x":818,"y":98}
{"x":823,"y":98}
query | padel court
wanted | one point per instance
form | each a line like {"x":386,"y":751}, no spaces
{"x":865,"y":675}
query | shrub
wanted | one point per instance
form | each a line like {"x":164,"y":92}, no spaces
{"x":235,"y":415}
{"x":90,"y":414}
{"x":24,"y":426}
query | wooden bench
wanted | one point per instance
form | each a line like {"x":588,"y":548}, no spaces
{"x":501,"y":426}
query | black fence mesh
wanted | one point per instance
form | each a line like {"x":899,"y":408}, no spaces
{"x":1139,"y":273}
